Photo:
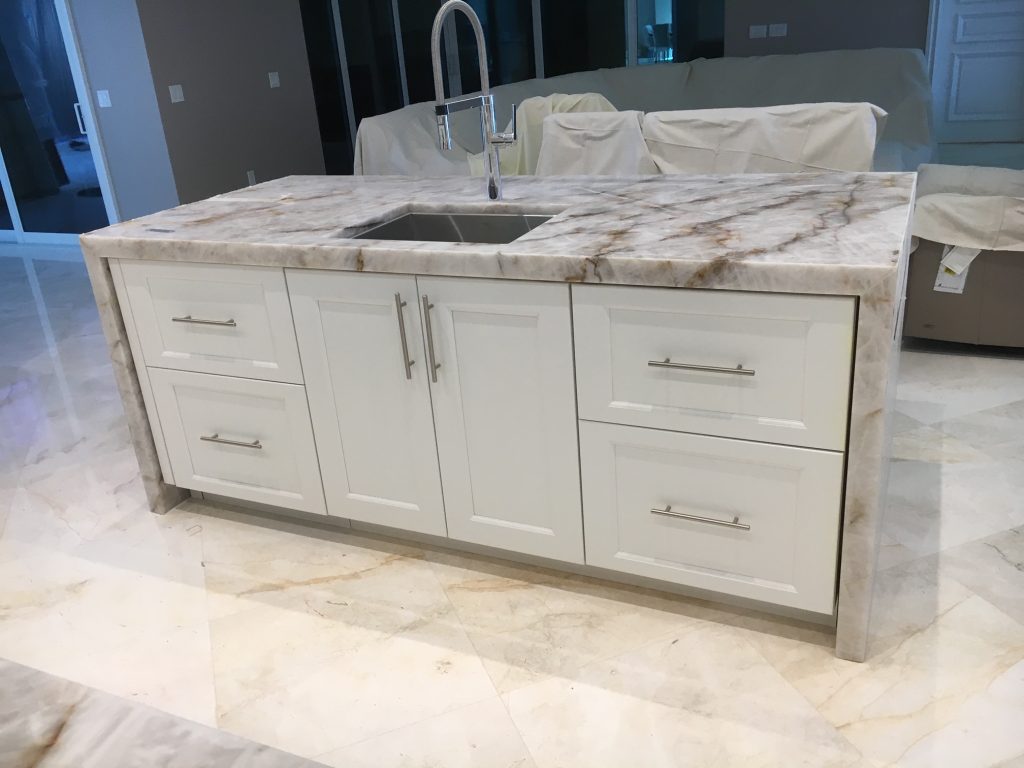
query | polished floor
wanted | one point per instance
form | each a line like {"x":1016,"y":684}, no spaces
{"x":354,"y":650}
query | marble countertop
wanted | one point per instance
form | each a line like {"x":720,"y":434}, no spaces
{"x":824,"y":233}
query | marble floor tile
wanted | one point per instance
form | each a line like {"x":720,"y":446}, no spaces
{"x":702,"y":697}
{"x":372,"y":684}
{"x":481,"y":735}
{"x":930,"y":444}
{"x":47,"y":722}
{"x":141,"y":633}
{"x":528,"y":624}
{"x":992,"y":567}
{"x":8,"y":490}
{"x":944,"y":678}
{"x":999,"y":432}
{"x":935,"y":388}
{"x":324,"y":638}
{"x":933,"y":506}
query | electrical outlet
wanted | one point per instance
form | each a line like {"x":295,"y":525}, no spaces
{"x":103,"y":98}
{"x":275,"y":79}
{"x":251,"y":176}
{"x":758,"y":31}
{"x":177,"y":94}
{"x":778,"y":30}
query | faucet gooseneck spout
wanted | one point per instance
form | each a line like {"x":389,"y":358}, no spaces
{"x":484,"y":102}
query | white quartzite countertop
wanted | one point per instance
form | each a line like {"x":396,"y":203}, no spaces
{"x":824,"y":233}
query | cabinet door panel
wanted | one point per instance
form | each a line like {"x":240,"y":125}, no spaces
{"x":749,"y":519}
{"x":240,"y":438}
{"x":373,"y":425}
{"x":505,"y":414}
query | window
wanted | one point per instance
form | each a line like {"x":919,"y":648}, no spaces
{"x":581,"y":35}
{"x":508,"y":30}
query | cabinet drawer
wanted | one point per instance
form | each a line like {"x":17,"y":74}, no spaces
{"x":246,"y":439}
{"x":768,"y":367}
{"x":231,"y":320}
{"x":747,"y":519}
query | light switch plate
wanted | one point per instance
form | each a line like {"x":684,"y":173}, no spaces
{"x":275,"y":79}
{"x":758,"y":31}
{"x":177,"y":94}
{"x":103,"y":98}
{"x":778,"y":30}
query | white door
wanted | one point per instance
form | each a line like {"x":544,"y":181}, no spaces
{"x":978,"y":70}
{"x":362,"y":355}
{"x":505,"y":413}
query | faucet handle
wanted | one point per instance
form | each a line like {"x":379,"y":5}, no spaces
{"x":508,"y":137}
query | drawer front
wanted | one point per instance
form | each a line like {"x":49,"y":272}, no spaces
{"x":245,"y":439}
{"x":747,"y":519}
{"x":768,"y":367}
{"x":231,"y":320}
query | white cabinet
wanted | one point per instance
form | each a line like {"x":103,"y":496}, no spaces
{"x":485,"y":408}
{"x":231,"y":320}
{"x":758,"y":366}
{"x":371,"y":413}
{"x":505,"y":414}
{"x":241,"y":438}
{"x":707,"y":449}
{"x":749,"y":519}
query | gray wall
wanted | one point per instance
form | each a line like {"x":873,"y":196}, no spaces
{"x":114,"y":59}
{"x":823,"y":25}
{"x":232,"y":121}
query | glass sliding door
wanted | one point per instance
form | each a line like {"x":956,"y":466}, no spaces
{"x":372,"y":56}
{"x":581,"y":35}
{"x":46,"y":149}
{"x":6,"y":223}
{"x":679,"y":30}
{"x":328,"y":87}
{"x":508,"y":30}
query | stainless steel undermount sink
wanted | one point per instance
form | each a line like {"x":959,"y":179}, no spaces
{"x":492,"y":228}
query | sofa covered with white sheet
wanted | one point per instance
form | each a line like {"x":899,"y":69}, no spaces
{"x":895,"y":79}
{"x":969,"y":221}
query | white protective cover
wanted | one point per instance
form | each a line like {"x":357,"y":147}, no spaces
{"x":895,"y":79}
{"x":971,"y":207}
{"x":783,"y":139}
{"x":594,"y":144}
{"x":520,"y":159}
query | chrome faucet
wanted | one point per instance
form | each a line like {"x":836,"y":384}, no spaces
{"x":485,"y":101}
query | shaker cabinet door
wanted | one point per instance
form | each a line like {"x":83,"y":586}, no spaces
{"x":362,"y":354}
{"x":505,"y":413}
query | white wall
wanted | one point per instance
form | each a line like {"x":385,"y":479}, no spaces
{"x":114,"y":59}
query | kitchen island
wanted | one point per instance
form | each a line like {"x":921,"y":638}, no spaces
{"x":676,"y":381}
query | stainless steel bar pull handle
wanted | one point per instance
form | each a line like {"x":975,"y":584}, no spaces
{"x":669,"y":512}
{"x":427,"y":306}
{"x":229,"y":323}
{"x":216,"y":438}
{"x":399,"y":308}
{"x":739,"y":370}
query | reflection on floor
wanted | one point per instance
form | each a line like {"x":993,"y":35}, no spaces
{"x":47,"y":722}
{"x":359,"y":651}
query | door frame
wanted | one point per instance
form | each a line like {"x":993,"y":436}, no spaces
{"x":933,"y":31}
{"x":69,"y":33}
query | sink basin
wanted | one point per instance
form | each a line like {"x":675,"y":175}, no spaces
{"x":493,"y":228}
